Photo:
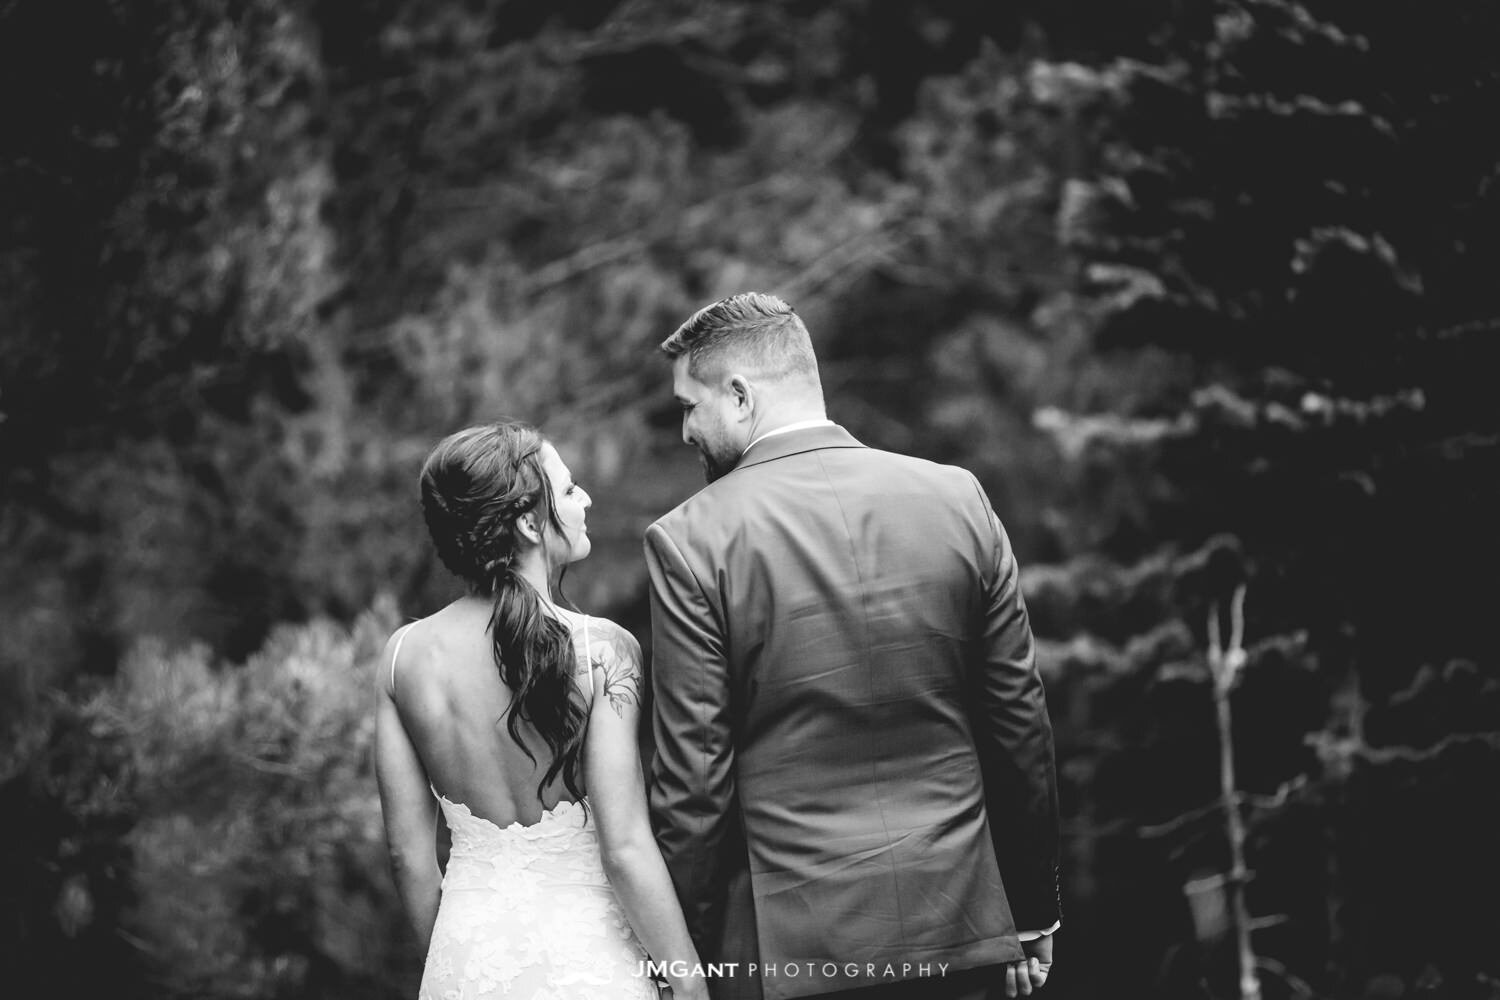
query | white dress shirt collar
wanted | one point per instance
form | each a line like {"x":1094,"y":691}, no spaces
{"x":798,"y":426}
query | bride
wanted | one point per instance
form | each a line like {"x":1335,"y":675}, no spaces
{"x":501,"y":709}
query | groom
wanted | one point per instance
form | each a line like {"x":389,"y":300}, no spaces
{"x":853,"y":786}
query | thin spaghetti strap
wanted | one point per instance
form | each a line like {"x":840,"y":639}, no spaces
{"x":400,"y":638}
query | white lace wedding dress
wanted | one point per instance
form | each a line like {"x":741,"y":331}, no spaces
{"x":527,"y":913}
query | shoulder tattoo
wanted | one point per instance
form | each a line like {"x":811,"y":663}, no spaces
{"x":620,"y":662}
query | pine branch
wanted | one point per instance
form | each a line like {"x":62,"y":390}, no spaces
{"x":1490,"y":324}
{"x":1310,"y":25}
{"x":1344,"y":749}
{"x":1222,"y":105}
{"x":1075,"y":433}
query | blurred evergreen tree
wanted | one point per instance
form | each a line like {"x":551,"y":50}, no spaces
{"x":162,"y":191}
{"x":1288,"y":239}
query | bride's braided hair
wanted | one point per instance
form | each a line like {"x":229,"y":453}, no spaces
{"x":476,"y":485}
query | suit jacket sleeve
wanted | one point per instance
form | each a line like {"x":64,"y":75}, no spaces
{"x":1014,"y":737}
{"x":692,"y":773}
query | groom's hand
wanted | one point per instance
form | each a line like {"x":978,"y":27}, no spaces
{"x":1031,"y":972}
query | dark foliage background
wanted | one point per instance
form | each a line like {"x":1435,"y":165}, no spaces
{"x":1205,"y":293}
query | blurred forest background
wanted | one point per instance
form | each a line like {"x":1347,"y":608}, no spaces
{"x":1204,"y":292}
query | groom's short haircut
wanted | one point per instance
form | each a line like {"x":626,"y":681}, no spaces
{"x":752,"y":333}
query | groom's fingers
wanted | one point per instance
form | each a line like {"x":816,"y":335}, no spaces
{"x":1018,"y":981}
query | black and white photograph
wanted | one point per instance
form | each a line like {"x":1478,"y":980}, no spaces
{"x":749,"y":500}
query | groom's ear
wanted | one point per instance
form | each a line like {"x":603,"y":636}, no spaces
{"x":743,"y":393}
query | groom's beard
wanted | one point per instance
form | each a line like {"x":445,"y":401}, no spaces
{"x":715,"y":468}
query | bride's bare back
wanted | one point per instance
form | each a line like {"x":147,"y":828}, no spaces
{"x":453,"y":705}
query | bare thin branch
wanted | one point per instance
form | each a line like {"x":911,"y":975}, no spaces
{"x":1237,"y":622}
{"x":1181,"y":820}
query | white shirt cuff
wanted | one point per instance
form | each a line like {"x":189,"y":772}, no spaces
{"x":1033,"y":935}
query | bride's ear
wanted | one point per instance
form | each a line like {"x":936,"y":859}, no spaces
{"x":527,"y":528}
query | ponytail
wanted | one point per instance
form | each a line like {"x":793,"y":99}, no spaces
{"x":474,"y":486}
{"x":534,"y":654}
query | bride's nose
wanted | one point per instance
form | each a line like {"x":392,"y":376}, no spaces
{"x":588,"y":501}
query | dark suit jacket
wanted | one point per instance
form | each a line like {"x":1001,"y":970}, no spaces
{"x":848,"y":720}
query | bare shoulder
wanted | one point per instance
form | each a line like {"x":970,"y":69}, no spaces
{"x":416,"y":648}
{"x":616,"y":638}
{"x":615,"y":657}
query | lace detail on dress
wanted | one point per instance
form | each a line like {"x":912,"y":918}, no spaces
{"x":555,"y":847}
{"x":527,"y":913}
